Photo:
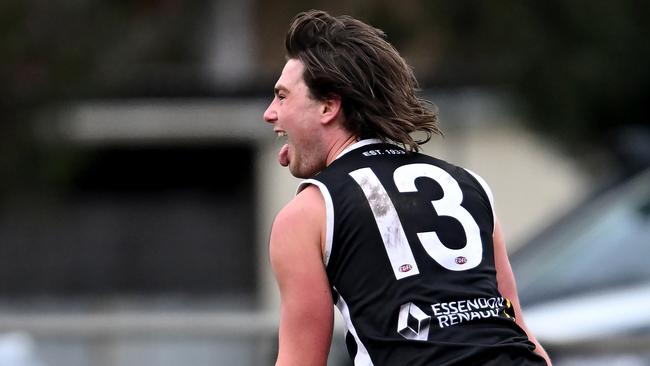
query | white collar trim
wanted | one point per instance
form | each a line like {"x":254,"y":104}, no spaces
{"x":357,"y":145}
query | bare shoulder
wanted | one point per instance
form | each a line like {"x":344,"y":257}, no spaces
{"x":301,"y":220}
{"x":306,"y":208}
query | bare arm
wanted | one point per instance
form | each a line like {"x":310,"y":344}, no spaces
{"x":306,"y":310}
{"x":508,"y":287}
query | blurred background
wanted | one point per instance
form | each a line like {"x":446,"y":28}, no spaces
{"x":138,"y":181}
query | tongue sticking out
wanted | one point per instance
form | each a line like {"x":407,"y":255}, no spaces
{"x":283,"y":155}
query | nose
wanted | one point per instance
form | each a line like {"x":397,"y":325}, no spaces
{"x":270,"y":115}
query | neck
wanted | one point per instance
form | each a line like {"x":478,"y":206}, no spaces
{"x":338,"y":145}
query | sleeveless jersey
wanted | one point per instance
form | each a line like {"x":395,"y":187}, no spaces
{"x":409,"y":256}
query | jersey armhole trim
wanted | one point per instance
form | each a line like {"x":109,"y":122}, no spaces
{"x":487,"y":190}
{"x":329,"y":213}
{"x":362,"y":357}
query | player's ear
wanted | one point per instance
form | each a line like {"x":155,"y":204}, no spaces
{"x":330,"y":108}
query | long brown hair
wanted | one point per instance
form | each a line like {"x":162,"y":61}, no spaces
{"x":350,"y":59}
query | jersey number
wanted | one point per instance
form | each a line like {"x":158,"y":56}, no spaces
{"x":391,"y":230}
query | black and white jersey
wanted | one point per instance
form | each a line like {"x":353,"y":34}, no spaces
{"x":410,"y":259}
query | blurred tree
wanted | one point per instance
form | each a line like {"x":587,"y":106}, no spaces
{"x":581,"y":68}
{"x":57,"y":50}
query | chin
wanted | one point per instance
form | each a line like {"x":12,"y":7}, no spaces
{"x":303,"y":172}
{"x":300,"y":174}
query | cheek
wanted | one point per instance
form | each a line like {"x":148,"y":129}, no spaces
{"x":307,"y":141}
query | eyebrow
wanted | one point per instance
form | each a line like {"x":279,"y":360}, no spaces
{"x":280,"y":88}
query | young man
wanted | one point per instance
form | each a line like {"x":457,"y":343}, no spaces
{"x":407,"y":246}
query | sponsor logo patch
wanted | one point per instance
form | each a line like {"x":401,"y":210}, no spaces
{"x":405,"y":268}
{"x":461,"y":260}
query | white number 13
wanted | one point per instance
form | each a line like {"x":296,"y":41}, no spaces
{"x":392,"y":231}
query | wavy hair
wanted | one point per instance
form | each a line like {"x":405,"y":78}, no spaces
{"x":348,"y":58}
